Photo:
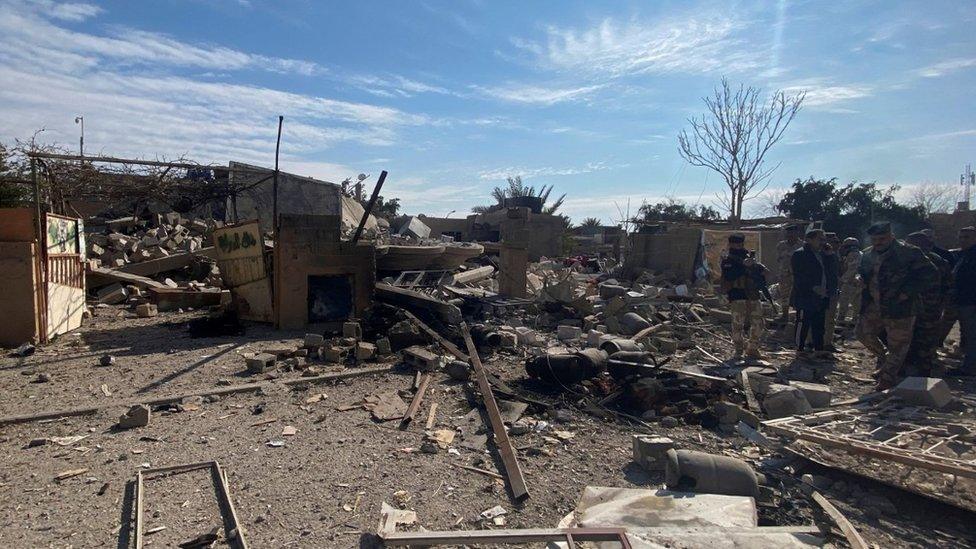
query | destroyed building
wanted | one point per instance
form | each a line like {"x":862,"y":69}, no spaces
{"x":318,"y":376}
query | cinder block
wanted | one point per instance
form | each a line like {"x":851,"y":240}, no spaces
{"x":383,"y":347}
{"x":422,"y":359}
{"x":146,"y":310}
{"x":334,"y":354}
{"x":650,"y":452}
{"x":924,"y":391}
{"x":565,"y":333}
{"x":593,"y":338}
{"x":365,"y":351}
{"x":260,"y":362}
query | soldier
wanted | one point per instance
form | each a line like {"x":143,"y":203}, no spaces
{"x":831,"y":263}
{"x":850,"y":285}
{"x":964,"y":298}
{"x":926,"y":334}
{"x":810,"y":294}
{"x":894,"y":274}
{"x":742,"y":278}
{"x":784,"y":254}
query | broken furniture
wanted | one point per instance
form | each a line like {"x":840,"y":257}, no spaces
{"x":42,"y":274}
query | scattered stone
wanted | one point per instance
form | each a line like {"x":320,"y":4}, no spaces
{"x":42,"y":378}
{"x":566,"y":333}
{"x":314,"y":340}
{"x":383,"y":347}
{"x":334,"y":354}
{"x":670,"y":422}
{"x":137,"y":416}
{"x":26,"y":349}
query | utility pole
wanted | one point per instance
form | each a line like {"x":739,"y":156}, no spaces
{"x":81,"y":141}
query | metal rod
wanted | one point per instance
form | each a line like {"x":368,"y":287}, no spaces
{"x":369,"y":206}
{"x":274,"y":210}
{"x":134,"y":162}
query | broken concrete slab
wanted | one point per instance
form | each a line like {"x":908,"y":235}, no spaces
{"x":567,"y":333}
{"x":784,"y":401}
{"x":113,"y":294}
{"x":146,"y":310}
{"x":818,"y":394}
{"x":365,"y":351}
{"x":422,"y":359}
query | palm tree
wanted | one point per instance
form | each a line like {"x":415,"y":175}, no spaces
{"x":590,"y":222}
{"x":518,"y":189}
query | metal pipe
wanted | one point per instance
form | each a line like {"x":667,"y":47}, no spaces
{"x":274,"y":211}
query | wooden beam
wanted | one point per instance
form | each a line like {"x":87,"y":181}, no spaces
{"x":854,"y":538}
{"x":101,"y":276}
{"x":418,"y":398}
{"x":249,"y":387}
{"x":747,"y":389}
{"x":516,"y":482}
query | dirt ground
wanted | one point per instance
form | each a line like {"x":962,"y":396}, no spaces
{"x":323,"y":486}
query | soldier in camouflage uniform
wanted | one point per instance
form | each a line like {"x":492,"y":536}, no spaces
{"x":742,"y":279}
{"x":850,"y":285}
{"x":926,"y":337}
{"x":832,"y":271}
{"x":784,"y":254}
{"x":894,"y":276}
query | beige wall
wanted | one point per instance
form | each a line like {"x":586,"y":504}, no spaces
{"x":18,"y":306}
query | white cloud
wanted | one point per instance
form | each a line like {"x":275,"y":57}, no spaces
{"x":502,"y":173}
{"x":945,"y":67}
{"x":395,"y":86}
{"x":518,"y":93}
{"x":821,"y":93}
{"x":611,"y":48}
{"x":29,"y":24}
{"x":67,"y":11}
{"x":131,"y":110}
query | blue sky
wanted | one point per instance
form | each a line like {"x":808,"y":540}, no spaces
{"x":452,"y":96}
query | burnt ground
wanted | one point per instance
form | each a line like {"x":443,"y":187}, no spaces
{"x":324,"y":486}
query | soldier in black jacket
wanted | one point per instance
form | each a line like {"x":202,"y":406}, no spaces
{"x":810,"y":290}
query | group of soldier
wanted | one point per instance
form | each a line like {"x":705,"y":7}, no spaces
{"x":903,"y":296}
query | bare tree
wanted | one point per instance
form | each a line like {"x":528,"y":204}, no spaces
{"x":734,"y":137}
{"x":934,"y":197}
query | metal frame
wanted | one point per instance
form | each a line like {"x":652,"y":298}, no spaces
{"x":874,"y":430}
{"x":235,"y":534}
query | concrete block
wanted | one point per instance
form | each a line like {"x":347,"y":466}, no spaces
{"x":332,"y":353}
{"x":146,"y":310}
{"x":260,"y":362}
{"x":528,"y":336}
{"x":818,"y":395}
{"x":924,"y":391}
{"x":314,"y":340}
{"x":565,"y":333}
{"x":507,"y":339}
{"x":383,"y":347}
{"x":650,"y":452}
{"x":365,"y":351}
{"x":593,"y":338}
{"x":352,"y":329}
{"x":422,"y":359}
{"x":137,"y":416}
{"x":784,"y":401}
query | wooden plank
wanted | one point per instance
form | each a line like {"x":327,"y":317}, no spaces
{"x":249,"y":387}
{"x":431,"y":416}
{"x":747,"y":389}
{"x":485,"y":472}
{"x":235,"y":535}
{"x":418,"y":398}
{"x":477,"y":537}
{"x":854,"y":538}
{"x":443,"y":341}
{"x":139,"y":509}
{"x":516,"y":481}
